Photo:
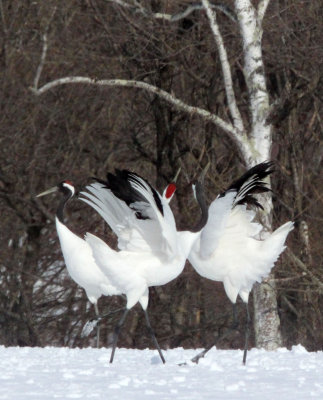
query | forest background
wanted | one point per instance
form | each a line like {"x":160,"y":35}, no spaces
{"x":78,"y":131}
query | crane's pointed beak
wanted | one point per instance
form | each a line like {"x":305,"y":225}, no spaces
{"x":177,"y":174}
{"x":48,"y":191}
{"x":198,"y":185}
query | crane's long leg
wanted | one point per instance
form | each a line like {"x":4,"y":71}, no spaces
{"x":150,"y":329}
{"x":98,"y":325}
{"x":234,"y":326}
{"x":247,"y":336}
{"x":235,"y":322}
{"x":101,"y":317}
{"x":116,"y":333}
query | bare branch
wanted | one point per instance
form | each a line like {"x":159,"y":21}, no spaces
{"x":42,"y":61}
{"x":140,"y":85}
{"x":235,"y":113}
{"x":44,"y":51}
{"x":236,"y":131}
{"x":288,"y":100}
{"x":302,"y":266}
{"x":262,"y":8}
{"x":239,"y":137}
{"x":136,"y":142}
{"x":137,"y":8}
{"x":47,"y":214}
{"x":3,"y":20}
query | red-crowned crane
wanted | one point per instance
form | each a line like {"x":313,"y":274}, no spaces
{"x":229,"y":248}
{"x":78,"y":255}
{"x":151,"y":251}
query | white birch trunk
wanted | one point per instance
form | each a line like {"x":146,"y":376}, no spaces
{"x":266,"y":318}
{"x":251,"y":32}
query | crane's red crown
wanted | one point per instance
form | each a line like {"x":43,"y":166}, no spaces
{"x":170,"y":190}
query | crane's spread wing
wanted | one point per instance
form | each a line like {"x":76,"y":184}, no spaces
{"x":219,"y":212}
{"x":117,"y":215}
{"x":241,"y":192}
{"x":162,"y":233}
{"x":138,"y":215}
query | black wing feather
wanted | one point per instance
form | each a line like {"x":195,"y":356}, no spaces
{"x":120,"y":186}
{"x":133,"y":176}
{"x":251,"y":183}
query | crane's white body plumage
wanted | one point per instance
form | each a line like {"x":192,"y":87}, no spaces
{"x":133,"y":272}
{"x":81,"y":266}
{"x":229,"y":249}
{"x":152,"y":252}
{"x":78,"y":256}
{"x":239,"y":258}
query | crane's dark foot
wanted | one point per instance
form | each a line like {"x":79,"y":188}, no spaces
{"x":197,"y":358}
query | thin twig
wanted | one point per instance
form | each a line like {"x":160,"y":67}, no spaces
{"x":301,"y":265}
{"x":44,"y":51}
{"x":262,"y":8}
{"x":226,"y":70}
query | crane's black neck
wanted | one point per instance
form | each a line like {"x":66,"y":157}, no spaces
{"x":200,"y":197}
{"x":67,"y":194}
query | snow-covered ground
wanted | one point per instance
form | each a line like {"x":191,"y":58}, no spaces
{"x":62,"y":373}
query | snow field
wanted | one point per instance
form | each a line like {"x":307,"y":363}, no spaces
{"x":62,"y":373}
